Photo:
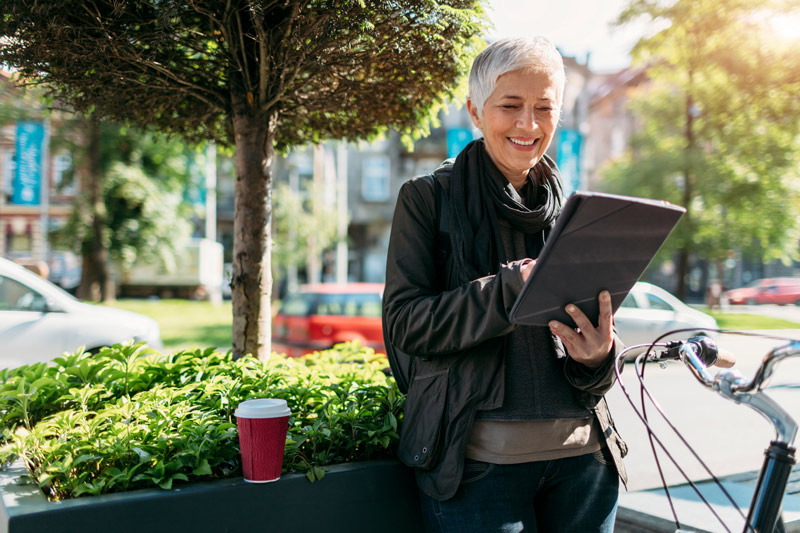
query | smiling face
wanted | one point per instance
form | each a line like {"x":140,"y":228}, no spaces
{"x":518,"y":121}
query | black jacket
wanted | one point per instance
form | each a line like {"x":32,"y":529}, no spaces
{"x":454,"y":329}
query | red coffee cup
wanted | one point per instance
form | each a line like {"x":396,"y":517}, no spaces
{"x":262,"y":424}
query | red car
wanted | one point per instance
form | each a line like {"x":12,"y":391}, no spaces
{"x":781,"y":291}
{"x":321,"y":315}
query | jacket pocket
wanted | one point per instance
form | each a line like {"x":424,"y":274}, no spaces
{"x":420,"y":436}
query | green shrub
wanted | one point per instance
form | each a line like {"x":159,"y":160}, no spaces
{"x":128,"y":417}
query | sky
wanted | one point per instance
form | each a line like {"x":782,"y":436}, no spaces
{"x":576,"y":27}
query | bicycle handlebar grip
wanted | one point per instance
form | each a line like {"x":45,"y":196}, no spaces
{"x":725,"y":359}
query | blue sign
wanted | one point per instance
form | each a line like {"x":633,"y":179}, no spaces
{"x":457,"y":139}
{"x":569,"y":159}
{"x":194,"y":191}
{"x":28,"y":179}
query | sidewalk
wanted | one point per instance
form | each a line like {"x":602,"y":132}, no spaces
{"x":648,"y":510}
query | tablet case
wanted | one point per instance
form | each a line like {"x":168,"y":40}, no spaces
{"x":600,"y":241}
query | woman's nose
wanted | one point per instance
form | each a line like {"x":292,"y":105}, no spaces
{"x":526,"y":119}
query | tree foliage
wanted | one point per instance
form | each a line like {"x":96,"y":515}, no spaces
{"x":257,"y":74}
{"x":130,"y":207}
{"x":140,"y":220}
{"x":719,"y":127}
{"x":175,"y":65}
{"x":301,"y":217}
{"x":144,"y":217}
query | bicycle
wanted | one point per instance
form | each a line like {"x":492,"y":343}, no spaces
{"x":698,"y":353}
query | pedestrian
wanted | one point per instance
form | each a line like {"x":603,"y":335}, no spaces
{"x":506,"y":426}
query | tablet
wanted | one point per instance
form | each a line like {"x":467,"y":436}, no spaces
{"x":600,"y":241}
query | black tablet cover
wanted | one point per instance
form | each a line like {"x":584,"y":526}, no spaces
{"x":600,"y":241}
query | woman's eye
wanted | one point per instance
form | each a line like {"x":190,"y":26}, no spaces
{"x":544,"y":109}
{"x":510,"y":106}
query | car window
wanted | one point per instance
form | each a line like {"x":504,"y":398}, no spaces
{"x":331,"y":304}
{"x":297,"y":305}
{"x":14,"y":296}
{"x":629,"y":301}
{"x":359,"y":304}
{"x":654,"y":302}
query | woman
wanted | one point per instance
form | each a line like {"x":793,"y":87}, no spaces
{"x":505,"y":426}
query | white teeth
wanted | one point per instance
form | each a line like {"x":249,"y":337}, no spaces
{"x":523,"y":143}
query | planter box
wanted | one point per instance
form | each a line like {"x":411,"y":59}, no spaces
{"x":368,"y":496}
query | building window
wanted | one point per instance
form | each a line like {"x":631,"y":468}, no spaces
{"x":376,"y":172}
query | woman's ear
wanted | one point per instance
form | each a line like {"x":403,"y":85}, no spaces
{"x":473,"y":114}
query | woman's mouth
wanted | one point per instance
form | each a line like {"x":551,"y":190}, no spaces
{"x":522,"y":143}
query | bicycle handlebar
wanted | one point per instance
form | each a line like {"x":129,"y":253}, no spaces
{"x":767,"y":367}
{"x":698,"y":353}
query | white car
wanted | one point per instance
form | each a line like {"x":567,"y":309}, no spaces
{"x":649,"y":311}
{"x":40,"y":321}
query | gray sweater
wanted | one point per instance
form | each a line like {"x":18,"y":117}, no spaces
{"x":535,"y":385}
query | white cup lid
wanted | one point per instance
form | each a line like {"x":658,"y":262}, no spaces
{"x":262,"y":408}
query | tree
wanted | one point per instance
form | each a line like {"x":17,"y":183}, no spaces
{"x":115,"y":165}
{"x":257,"y":74}
{"x":301,"y":219}
{"x":720,"y":124}
{"x":130,"y":207}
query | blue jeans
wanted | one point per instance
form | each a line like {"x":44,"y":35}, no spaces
{"x":576,"y":494}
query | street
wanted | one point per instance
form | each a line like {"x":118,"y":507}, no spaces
{"x":730,"y":438}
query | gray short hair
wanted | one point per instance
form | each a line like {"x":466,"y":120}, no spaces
{"x":504,"y":55}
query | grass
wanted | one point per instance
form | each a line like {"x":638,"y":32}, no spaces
{"x":186,"y":324}
{"x":189,"y":324}
{"x":743,"y":321}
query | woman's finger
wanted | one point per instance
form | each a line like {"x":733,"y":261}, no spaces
{"x":580,"y":319}
{"x":564,"y":332}
{"x":605,"y":319}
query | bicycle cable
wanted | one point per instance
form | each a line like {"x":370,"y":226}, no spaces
{"x":645,"y":391}
{"x":653,"y":438}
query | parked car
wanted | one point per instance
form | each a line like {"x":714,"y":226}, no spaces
{"x":40,"y":321}
{"x":781,"y":291}
{"x":649,"y":311}
{"x":321,"y":315}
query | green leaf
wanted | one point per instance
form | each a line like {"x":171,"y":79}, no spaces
{"x":203,"y":470}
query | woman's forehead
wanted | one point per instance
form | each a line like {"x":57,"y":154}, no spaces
{"x":543,"y":85}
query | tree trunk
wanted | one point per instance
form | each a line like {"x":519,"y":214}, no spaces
{"x":96,"y":284}
{"x":251,"y":282}
{"x":685,"y":252}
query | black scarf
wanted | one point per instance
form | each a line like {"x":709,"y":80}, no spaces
{"x":479,"y":194}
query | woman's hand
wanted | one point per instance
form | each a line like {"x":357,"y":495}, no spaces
{"x":589,"y":345}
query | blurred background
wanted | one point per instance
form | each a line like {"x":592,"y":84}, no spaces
{"x":694,"y":103}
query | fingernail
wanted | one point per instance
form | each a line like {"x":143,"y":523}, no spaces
{"x":605,"y":295}
{"x":553,"y":325}
{"x":570,"y":308}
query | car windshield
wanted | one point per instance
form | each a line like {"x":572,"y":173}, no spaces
{"x":629,"y":301}
{"x":657,"y":303}
{"x":359,"y":304}
{"x":297,"y":305}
